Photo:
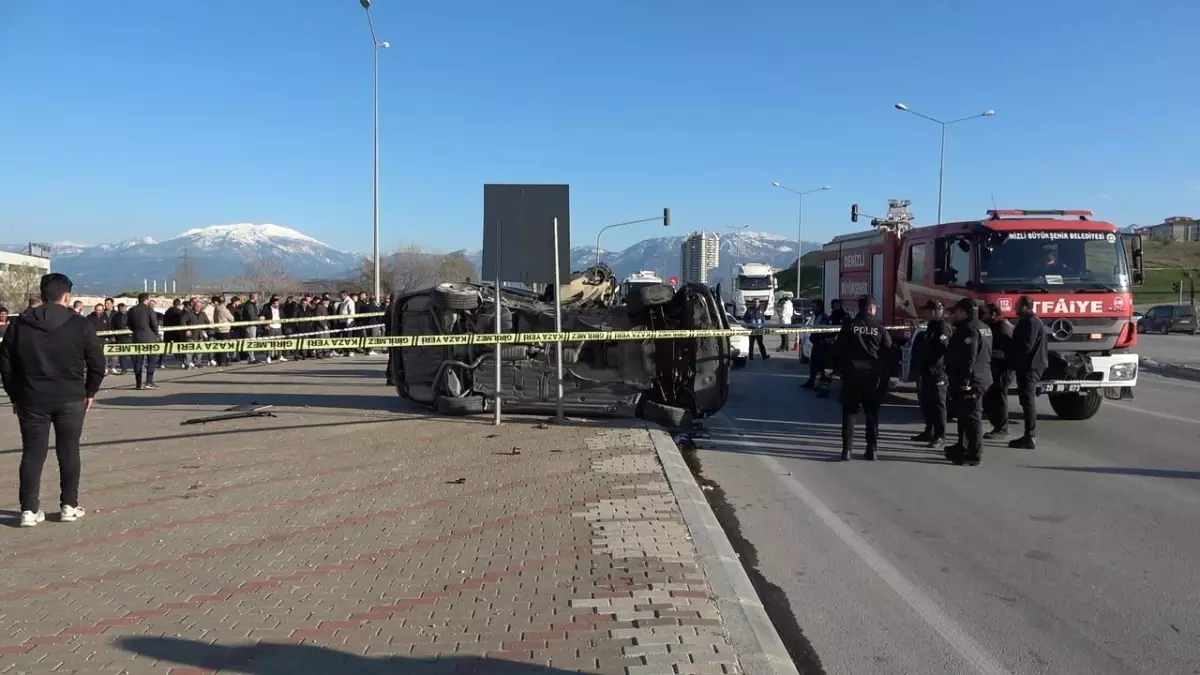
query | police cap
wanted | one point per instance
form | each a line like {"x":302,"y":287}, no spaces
{"x":968,"y":305}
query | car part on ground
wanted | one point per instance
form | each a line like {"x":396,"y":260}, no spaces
{"x":670,"y":382}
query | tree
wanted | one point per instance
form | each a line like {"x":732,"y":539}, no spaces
{"x":18,"y":283}
{"x":268,"y":276}
{"x":412,"y":267}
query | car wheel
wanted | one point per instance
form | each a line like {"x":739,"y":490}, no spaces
{"x":458,"y":405}
{"x":666,"y":415}
{"x":456,"y":296}
{"x":652,"y":296}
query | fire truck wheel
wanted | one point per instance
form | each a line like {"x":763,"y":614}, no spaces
{"x":1076,"y":406}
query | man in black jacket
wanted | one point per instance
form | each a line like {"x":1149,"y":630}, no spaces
{"x":250,"y":313}
{"x":861,"y":354}
{"x":143,"y":321}
{"x":995,"y":399}
{"x":930,"y":364}
{"x":1028,"y":358}
{"x":969,"y":367}
{"x":51,"y":365}
{"x":172,"y":318}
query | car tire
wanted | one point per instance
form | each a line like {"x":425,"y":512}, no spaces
{"x":739,"y":362}
{"x":1076,"y":407}
{"x":666,"y":415}
{"x":456,"y":296}
{"x":652,"y":296}
{"x":458,"y":406}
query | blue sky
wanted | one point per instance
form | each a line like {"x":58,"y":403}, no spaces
{"x":131,"y":118}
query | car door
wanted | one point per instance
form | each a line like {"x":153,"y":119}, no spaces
{"x":1158,"y":319}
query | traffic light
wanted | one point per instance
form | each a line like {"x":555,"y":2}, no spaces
{"x":854,"y":213}
{"x":666,"y":217}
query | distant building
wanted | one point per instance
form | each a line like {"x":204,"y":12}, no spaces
{"x":699,"y":254}
{"x":1177,"y":228}
{"x":21,"y":273}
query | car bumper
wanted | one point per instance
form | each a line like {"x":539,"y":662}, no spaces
{"x":1115,"y":370}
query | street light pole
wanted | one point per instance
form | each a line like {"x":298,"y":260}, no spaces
{"x":738,"y":243}
{"x":942,"y":162}
{"x":800,"y":226}
{"x":376,"y":46}
{"x":665,"y":218}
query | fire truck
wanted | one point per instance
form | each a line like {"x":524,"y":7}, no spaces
{"x":1075,"y":269}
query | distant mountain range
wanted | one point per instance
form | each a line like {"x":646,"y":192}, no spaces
{"x":216,"y":254}
{"x":220,"y":253}
{"x":661,"y":254}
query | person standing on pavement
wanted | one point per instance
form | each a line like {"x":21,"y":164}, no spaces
{"x":836,"y":319}
{"x":51,"y":366}
{"x":995,"y":400}
{"x":1028,"y":359}
{"x":250,"y":312}
{"x":345,"y":308}
{"x":860,"y":352}
{"x":931,"y":375}
{"x":272,"y":313}
{"x":221,"y":318}
{"x":756,"y":319}
{"x":143,"y":321}
{"x":969,"y":367}
{"x":786,"y":312}
{"x":172,"y":318}
{"x":817,"y":340}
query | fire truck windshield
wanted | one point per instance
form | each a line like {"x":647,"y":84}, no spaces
{"x":745,"y":283}
{"x":1046,"y":260}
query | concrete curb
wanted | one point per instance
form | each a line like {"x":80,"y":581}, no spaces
{"x":1171,"y":370}
{"x":759,"y":649}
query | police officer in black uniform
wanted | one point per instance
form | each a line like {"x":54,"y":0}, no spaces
{"x":995,"y":399}
{"x":969,"y":367}
{"x":931,"y":375}
{"x":817,"y":340}
{"x":836,"y":319}
{"x":1028,"y":358}
{"x":861,"y":355}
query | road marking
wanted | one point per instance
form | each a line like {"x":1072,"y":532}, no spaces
{"x":970,"y":650}
{"x":1154,"y":413}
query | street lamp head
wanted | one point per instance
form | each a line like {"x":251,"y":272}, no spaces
{"x":383,"y":45}
{"x":824,"y":187}
{"x":776,"y":183}
{"x":901,"y":106}
{"x":989,"y":113}
{"x":365,"y":3}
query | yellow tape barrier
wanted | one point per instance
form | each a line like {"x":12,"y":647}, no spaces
{"x":405,"y":341}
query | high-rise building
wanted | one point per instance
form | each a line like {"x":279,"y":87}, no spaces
{"x":699,"y":254}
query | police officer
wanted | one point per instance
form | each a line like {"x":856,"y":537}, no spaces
{"x":995,"y":399}
{"x":931,"y":375}
{"x":1028,"y":358}
{"x":969,"y":367}
{"x":837,"y":318}
{"x":817,"y":340}
{"x":861,"y":349}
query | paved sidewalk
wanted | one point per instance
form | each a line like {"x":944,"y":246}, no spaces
{"x":351,"y":534}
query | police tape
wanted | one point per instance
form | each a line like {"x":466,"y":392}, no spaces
{"x":327,"y":318}
{"x":411,"y":341}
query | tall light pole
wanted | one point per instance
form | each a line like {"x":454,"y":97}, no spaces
{"x":800,"y":226}
{"x":665,"y":218}
{"x":738,"y":228}
{"x":376,"y":46}
{"x":942,"y":165}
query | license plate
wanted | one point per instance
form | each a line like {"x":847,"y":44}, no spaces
{"x":1062,"y":387}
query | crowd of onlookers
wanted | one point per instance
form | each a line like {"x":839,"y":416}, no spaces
{"x":199,"y":319}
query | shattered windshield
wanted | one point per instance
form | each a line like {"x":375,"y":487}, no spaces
{"x":1022,"y":261}
{"x":745,"y":283}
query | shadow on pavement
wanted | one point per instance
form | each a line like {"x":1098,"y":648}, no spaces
{"x":289,"y":659}
{"x":1125,"y":471}
{"x":814,"y":441}
{"x":389,"y":402}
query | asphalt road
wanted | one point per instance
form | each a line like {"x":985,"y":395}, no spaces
{"x":1078,"y":557}
{"x":1176,"y":348}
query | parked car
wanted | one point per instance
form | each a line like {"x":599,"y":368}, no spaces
{"x":666,"y":381}
{"x":1169,"y":319}
{"x":739,"y":344}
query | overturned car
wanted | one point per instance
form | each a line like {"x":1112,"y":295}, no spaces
{"x":667,"y":381}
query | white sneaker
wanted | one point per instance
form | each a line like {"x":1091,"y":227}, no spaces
{"x":71,"y":514}
{"x":283,"y":358}
{"x":29,"y":518}
{"x":268,"y":359}
{"x":212,"y":363}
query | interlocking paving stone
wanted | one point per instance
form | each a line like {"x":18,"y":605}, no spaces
{"x":352,"y":533}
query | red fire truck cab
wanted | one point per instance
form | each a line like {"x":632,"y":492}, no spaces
{"x":1076,"y":270}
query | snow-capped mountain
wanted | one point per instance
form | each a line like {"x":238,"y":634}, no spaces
{"x":661,"y":254}
{"x":218,"y":253}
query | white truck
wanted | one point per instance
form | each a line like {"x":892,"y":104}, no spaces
{"x":753,"y":281}
{"x":633,"y":281}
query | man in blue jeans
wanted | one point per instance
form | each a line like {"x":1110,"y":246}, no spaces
{"x":51,"y":366}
